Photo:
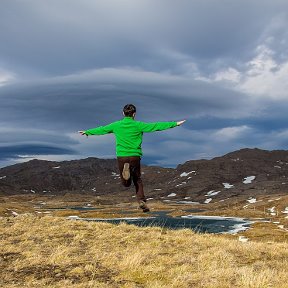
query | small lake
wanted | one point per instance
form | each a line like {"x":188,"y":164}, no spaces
{"x":201,"y":224}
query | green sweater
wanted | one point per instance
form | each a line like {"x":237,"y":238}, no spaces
{"x":129,"y":133}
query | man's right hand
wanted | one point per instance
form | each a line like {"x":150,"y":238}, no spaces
{"x":180,"y":122}
{"x":83,"y":133}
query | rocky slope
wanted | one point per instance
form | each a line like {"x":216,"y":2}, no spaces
{"x":243,"y":173}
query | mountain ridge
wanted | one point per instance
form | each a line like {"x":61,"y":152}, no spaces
{"x":194,"y":180}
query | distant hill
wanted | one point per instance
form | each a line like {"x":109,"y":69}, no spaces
{"x":247,"y":172}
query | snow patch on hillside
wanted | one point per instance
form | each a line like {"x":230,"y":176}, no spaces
{"x":272,"y":211}
{"x":185,"y":174}
{"x":248,"y":179}
{"x":252,"y":200}
{"x":285,"y":210}
{"x":212,"y":193}
{"x":172,"y":195}
{"x":208,"y":200}
{"x":227,"y":185}
{"x":178,"y":185}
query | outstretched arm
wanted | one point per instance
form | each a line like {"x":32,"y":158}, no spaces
{"x":158,"y":126}
{"x":101,"y":130}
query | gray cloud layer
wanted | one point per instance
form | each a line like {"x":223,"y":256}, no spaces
{"x":69,"y":102}
{"x":22,"y":151}
{"x":68,"y":65}
{"x":66,"y":36}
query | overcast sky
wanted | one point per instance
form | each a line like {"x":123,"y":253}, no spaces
{"x":69,"y":65}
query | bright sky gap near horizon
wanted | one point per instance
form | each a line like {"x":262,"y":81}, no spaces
{"x":68,"y":65}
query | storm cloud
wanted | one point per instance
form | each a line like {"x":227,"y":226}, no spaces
{"x":68,"y":65}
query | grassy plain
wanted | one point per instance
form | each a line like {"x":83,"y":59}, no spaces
{"x":55,"y":252}
{"x":41,"y":248}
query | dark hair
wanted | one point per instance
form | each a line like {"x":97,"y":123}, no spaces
{"x":129,"y":110}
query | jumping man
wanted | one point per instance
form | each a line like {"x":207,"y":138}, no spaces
{"x":129,"y":133}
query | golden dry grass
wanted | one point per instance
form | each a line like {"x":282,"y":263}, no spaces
{"x":55,"y":252}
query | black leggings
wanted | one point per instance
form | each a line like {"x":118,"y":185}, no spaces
{"x":135,"y":172}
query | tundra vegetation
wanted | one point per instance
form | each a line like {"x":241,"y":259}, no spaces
{"x":39,"y":250}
